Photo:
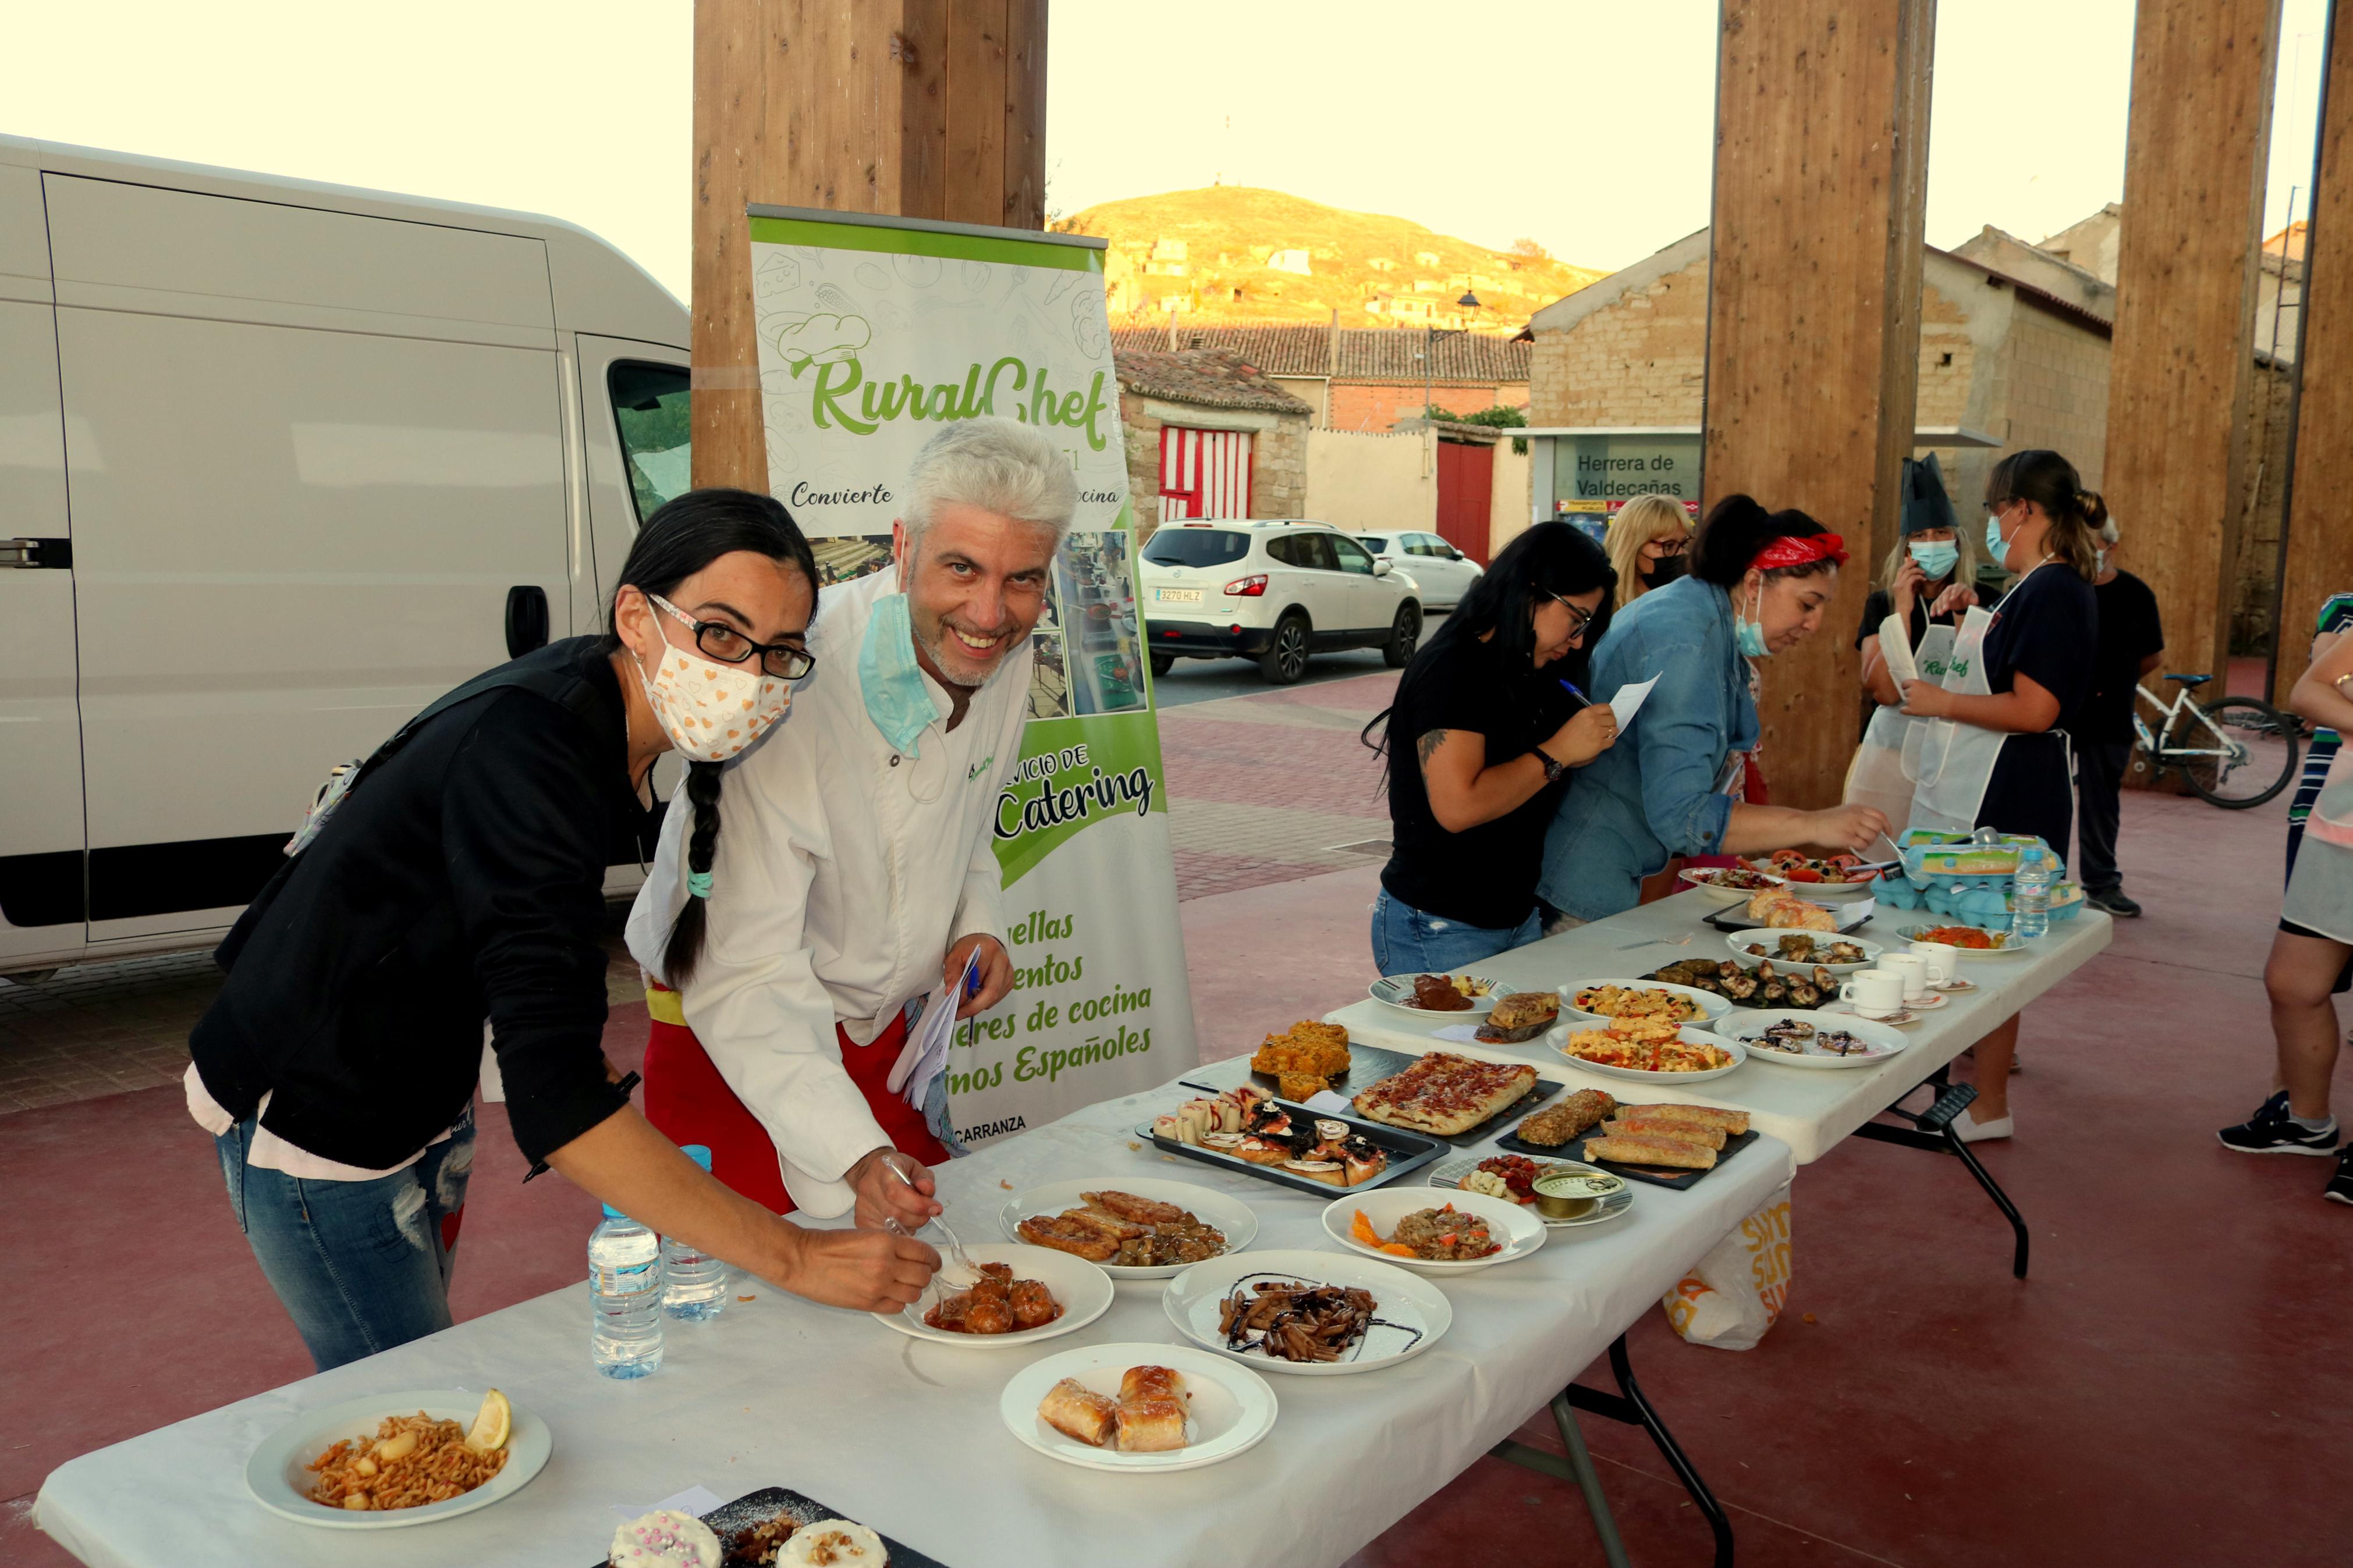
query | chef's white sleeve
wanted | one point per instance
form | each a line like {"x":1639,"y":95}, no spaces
{"x":754,"y":1001}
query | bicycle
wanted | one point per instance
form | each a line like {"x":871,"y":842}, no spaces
{"x":2231,"y":772}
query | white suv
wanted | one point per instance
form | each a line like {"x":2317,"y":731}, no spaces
{"x":1274,"y":589}
{"x":1444,"y":573}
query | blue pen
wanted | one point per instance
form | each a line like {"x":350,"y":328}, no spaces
{"x":1570,"y":687}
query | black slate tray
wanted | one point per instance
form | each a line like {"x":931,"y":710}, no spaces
{"x":1656,"y":1175}
{"x":1732,"y":917}
{"x":731,"y":1523}
{"x":1367,"y":1067}
{"x":1406,"y":1151}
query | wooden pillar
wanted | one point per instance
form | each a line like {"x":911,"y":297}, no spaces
{"x":928,"y":109}
{"x":1814,"y":318}
{"x":2319,"y":546}
{"x":2182,"y":374}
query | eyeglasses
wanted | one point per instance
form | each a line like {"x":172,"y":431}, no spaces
{"x":725,"y":643}
{"x":1583,"y":619}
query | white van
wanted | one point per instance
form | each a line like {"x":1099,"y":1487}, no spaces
{"x":280,"y":463}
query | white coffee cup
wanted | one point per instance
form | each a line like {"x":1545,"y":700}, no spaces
{"x":1915,"y":971}
{"x":1939,"y":959}
{"x":1874,"y":993}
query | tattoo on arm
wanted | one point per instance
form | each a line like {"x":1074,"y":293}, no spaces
{"x":1427,"y":747}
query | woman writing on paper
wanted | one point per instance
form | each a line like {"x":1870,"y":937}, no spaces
{"x":1996,"y":754}
{"x":1480,"y":742}
{"x":1927,"y":583}
{"x":1757,"y":584}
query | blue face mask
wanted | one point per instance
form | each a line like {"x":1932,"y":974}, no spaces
{"x":1994,"y":545}
{"x":897,"y":700}
{"x":1748,"y":636}
{"x":1935,"y":559}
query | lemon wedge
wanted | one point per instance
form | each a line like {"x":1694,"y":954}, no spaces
{"x":491,"y":1424}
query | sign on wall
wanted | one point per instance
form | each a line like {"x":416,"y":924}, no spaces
{"x":1593,"y":476}
{"x":873,"y":332}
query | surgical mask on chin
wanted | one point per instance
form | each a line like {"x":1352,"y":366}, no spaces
{"x":1935,"y":559}
{"x":2099,"y":562}
{"x":709,"y":710}
{"x":897,"y":700}
{"x":1663,"y":571}
{"x":1748,"y":636}
{"x":1994,"y":545}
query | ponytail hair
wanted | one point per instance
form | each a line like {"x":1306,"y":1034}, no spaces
{"x":685,"y":535}
{"x":1736,"y":530}
{"x":2050,"y":481}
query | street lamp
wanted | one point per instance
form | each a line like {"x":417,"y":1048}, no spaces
{"x":1469,"y":301}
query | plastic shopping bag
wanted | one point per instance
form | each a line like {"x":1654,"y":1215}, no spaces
{"x":1735,"y":1293}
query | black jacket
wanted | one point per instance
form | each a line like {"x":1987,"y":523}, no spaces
{"x":461,"y":877}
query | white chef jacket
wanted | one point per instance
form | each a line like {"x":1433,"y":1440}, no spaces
{"x":843,"y":873}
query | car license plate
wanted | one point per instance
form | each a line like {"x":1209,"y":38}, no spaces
{"x":1178,"y":595}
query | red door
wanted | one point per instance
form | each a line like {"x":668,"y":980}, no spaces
{"x":1204,"y":473}
{"x":1466,"y":483}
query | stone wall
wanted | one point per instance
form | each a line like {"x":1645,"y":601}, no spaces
{"x":2056,"y":394}
{"x":1640,"y":359}
{"x":1279,"y":470}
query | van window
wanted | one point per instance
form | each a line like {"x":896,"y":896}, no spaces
{"x":1352,"y":555}
{"x":1196,"y":547}
{"x":649,"y":405}
{"x":1376,"y":543}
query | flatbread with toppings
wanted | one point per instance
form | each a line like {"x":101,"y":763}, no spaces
{"x":1445,"y":1094}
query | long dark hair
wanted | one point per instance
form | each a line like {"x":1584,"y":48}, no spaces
{"x":2050,"y":482}
{"x":1736,"y":529}
{"x":682,"y":538}
{"x":1551,"y":560}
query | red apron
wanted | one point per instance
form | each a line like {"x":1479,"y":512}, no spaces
{"x":689,"y":1102}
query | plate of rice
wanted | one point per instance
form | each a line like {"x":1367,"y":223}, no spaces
{"x":393,"y":1459}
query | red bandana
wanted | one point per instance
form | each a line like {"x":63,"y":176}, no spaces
{"x":1800,"y":550}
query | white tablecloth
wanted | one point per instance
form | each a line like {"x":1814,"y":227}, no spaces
{"x":1808,"y":1110}
{"x":904,"y":1436}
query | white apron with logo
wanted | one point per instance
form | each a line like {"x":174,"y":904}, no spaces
{"x":1876,"y":776}
{"x":1948,"y":761}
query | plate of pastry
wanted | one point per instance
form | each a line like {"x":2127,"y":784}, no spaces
{"x":1131,"y":1227}
{"x":1426,"y":995}
{"x":1138,"y":1407}
{"x":1024,"y":1294}
{"x":1801,"y":1039}
{"x":1436,"y":1235}
{"x":1313,"y":1314}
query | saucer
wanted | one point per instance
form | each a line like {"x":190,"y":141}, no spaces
{"x":1928,"y":1003}
{"x":1898,"y":1019}
{"x":1956,"y":985}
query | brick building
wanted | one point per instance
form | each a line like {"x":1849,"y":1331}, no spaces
{"x":1209,"y":435}
{"x":1363,"y":378}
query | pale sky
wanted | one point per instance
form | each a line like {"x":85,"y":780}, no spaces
{"x":1585,"y":124}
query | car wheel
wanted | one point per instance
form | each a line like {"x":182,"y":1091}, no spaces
{"x":1285,"y":659}
{"x":1405,"y":634}
{"x":1162,"y":663}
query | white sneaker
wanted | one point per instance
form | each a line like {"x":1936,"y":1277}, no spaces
{"x":1971,"y":1130}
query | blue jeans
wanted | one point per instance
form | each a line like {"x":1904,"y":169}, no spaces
{"x":361,"y":1265}
{"x":1407,"y":941}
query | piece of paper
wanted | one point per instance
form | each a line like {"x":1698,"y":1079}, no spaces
{"x":1627,"y":700}
{"x":1456,"y":1034}
{"x":1324,"y":1100}
{"x":696,"y":1500}
{"x":925,"y":1056}
{"x":1895,"y":649}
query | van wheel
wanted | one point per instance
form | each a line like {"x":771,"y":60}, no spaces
{"x":1285,"y":659}
{"x":1162,"y":663}
{"x":1404,"y":637}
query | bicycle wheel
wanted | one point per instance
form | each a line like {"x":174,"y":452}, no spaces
{"x":2247,"y":750}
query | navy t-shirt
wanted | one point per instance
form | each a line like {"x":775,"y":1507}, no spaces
{"x":2048,"y":629}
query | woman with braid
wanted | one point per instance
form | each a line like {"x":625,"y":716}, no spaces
{"x":460,"y":877}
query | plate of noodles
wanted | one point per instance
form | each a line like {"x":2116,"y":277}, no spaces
{"x":391,"y":1459}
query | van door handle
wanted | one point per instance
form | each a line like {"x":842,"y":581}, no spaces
{"x":34,"y":554}
{"x":526,"y":620}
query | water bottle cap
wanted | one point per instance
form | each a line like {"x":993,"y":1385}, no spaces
{"x":2033,"y":854}
{"x":612,"y":1213}
{"x":699,"y":1154}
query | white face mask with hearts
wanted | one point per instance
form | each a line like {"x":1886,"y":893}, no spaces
{"x":709,"y":710}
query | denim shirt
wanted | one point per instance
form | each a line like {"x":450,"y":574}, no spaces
{"x":1653,"y":795}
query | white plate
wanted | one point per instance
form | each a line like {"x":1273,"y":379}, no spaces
{"x":1402,"y":1301}
{"x":1229,"y":1214}
{"x":1885,"y":1042}
{"x":1397,"y":991}
{"x":1825,"y":893}
{"x":276,"y":1477}
{"x":1452,"y":1173}
{"x":1233,"y":1409}
{"x":1559,"y":1037}
{"x":1520,"y":1230}
{"x":2010,"y":944}
{"x":1711,"y":1007}
{"x":1850,"y":916}
{"x":1737,"y":942}
{"x":1695,"y":878}
{"x":1083,"y":1290}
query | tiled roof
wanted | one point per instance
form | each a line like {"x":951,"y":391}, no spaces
{"x":1365,"y":354}
{"x":1216,"y":378}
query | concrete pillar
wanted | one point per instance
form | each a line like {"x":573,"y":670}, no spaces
{"x":2319,"y":552}
{"x":2183,"y":372}
{"x":928,"y":109}
{"x":1814,"y":317}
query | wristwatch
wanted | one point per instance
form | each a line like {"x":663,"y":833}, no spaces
{"x":1553,"y":770}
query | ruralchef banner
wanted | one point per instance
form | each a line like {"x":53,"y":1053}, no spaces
{"x":873,"y":332}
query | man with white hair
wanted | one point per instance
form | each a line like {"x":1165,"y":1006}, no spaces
{"x":848,"y":867}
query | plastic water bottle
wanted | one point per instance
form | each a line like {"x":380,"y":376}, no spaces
{"x":625,"y":1295}
{"x":694,"y":1284}
{"x":2030,"y":896}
